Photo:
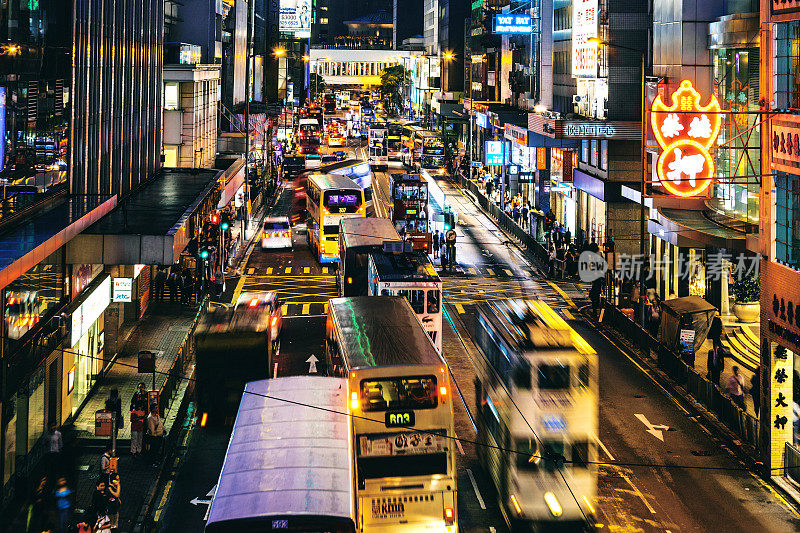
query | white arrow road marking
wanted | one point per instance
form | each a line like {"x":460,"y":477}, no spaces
{"x":205,"y":501}
{"x":312,"y":364}
{"x":654,"y":430}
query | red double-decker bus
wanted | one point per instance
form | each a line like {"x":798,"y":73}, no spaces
{"x":410,"y":210}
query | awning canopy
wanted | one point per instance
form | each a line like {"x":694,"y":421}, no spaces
{"x":153,"y":225}
{"x":687,"y":228}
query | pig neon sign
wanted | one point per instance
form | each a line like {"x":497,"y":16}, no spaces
{"x":685,"y":131}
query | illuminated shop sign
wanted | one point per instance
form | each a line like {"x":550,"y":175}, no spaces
{"x":90,"y":310}
{"x":685,"y":131}
{"x":506,"y":24}
{"x":2,"y":127}
{"x":494,"y":153}
{"x":578,"y":129}
{"x":584,"y":27}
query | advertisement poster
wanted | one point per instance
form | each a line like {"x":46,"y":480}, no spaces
{"x":584,"y":27}
{"x":295,"y":16}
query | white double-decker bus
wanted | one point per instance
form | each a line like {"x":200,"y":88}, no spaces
{"x":400,"y":400}
{"x":537,"y":394}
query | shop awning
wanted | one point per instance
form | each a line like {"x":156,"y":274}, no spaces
{"x":153,"y":225}
{"x":24,"y":247}
{"x":687,"y":228}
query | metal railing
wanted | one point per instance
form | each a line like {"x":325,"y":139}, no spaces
{"x":709,"y":394}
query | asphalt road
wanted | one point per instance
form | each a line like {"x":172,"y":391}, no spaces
{"x":688,"y":481}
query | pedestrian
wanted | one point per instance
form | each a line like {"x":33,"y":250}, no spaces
{"x":594,"y":294}
{"x":735,"y":388}
{"x":63,"y":498}
{"x":551,"y":262}
{"x":568,"y":237}
{"x":187,"y":290}
{"x":755,"y":389}
{"x":99,"y":508}
{"x":172,"y":285}
{"x":137,"y":430}
{"x":443,"y":253}
{"x":716,"y":362}
{"x":106,"y":463}
{"x":525,"y":212}
{"x":716,"y":330}
{"x":114,"y":404}
{"x":155,"y":430}
{"x":436,"y":242}
{"x":158,"y":282}
{"x":54,"y":447}
{"x":114,"y":491}
{"x":39,"y":517}
{"x":139,"y":398}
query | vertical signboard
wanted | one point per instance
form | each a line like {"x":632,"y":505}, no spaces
{"x":584,"y":27}
{"x":2,"y":127}
{"x":296,"y":17}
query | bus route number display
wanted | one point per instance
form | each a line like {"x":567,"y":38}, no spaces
{"x":406,"y":443}
{"x":402,"y":419}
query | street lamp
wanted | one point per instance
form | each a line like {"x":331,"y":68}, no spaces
{"x":642,"y":248}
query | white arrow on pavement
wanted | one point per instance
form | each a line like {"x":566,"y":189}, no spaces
{"x":654,"y":430}
{"x":312,"y":364}
{"x":205,"y":501}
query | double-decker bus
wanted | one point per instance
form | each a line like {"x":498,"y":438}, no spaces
{"x":358,"y":237}
{"x":309,"y":136}
{"x":234,"y":345}
{"x":424,"y":147}
{"x":329,"y":199}
{"x":329,"y":103}
{"x":412,"y":276}
{"x":378,"y":146}
{"x":394,"y":140}
{"x":536,"y":394}
{"x":400,"y":399}
{"x":288,"y":466}
{"x":409,"y":210}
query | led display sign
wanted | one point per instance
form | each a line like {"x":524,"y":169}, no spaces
{"x":685,"y":131}
{"x":509,"y":24}
{"x":584,"y":27}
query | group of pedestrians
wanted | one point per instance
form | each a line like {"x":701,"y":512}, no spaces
{"x":180,"y":284}
{"x":50,"y":507}
{"x":147,"y":427}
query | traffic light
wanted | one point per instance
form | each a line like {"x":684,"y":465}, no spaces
{"x":203,"y":253}
{"x":449,"y":220}
{"x":214,"y":218}
{"x":225,"y":224}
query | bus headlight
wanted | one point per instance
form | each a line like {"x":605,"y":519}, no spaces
{"x":552,"y":504}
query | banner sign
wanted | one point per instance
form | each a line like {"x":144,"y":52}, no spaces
{"x":510,"y":24}
{"x":295,"y":17}
{"x":494,"y":153}
{"x":584,"y":27}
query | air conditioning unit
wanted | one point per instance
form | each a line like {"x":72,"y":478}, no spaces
{"x":576,"y":99}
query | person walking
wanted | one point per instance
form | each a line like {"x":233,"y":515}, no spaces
{"x":172,"y":285}
{"x":716,"y":362}
{"x":39,"y":517}
{"x":187,"y":288}
{"x":158,"y":282}
{"x":715,"y":332}
{"x":63,"y":497}
{"x":735,"y":388}
{"x":436,"y":242}
{"x":155,"y":430}
{"x":443,"y":253}
{"x":594,"y":295}
{"x":54,"y":447}
{"x":114,"y":404}
{"x":525,"y":212}
{"x":137,"y":430}
{"x":755,"y":389}
{"x":106,"y":467}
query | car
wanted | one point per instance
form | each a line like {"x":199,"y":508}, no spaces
{"x":264,"y":300}
{"x":276,"y":233}
{"x":336,"y":139}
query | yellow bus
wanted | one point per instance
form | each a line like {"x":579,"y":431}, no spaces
{"x":329,"y":199}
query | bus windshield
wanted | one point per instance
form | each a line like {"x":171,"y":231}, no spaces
{"x":432,"y":146}
{"x":399,"y":393}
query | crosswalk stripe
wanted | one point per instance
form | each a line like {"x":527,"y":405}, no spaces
{"x":460,"y":309}
{"x":473,"y":271}
{"x":324,"y":270}
{"x":306,"y":270}
{"x":288,"y":270}
{"x":251,"y":270}
{"x":507,"y":271}
{"x":490,"y":271}
{"x":285,"y":309}
{"x":567,"y":314}
{"x":269,"y":270}
{"x":305,"y":310}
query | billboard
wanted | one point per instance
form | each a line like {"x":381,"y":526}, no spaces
{"x":508,"y":24}
{"x":295,"y":16}
{"x":584,"y":27}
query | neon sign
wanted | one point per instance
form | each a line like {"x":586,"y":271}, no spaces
{"x":685,"y":131}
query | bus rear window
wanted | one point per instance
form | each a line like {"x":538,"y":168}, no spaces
{"x":552,"y":377}
{"x":415,"y":298}
{"x":399,"y":393}
{"x":342,"y":199}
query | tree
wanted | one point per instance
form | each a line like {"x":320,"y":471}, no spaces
{"x":317,"y":85}
{"x":393,"y":80}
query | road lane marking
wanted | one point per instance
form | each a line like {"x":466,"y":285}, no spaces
{"x":507,"y":271}
{"x":562,"y":293}
{"x":458,"y":442}
{"x":238,"y":290}
{"x":475,"y":487}
{"x":269,"y":271}
{"x":288,"y":270}
{"x":275,"y":370}
{"x":324,"y":270}
{"x":250,"y":271}
{"x":306,"y":309}
{"x":603,"y":447}
{"x":490,"y":271}
{"x":473,"y":271}
{"x":638,"y":493}
{"x":460,"y":309}
{"x":567,"y":314}
{"x":307,"y":270}
{"x":326,"y":309}
{"x":285,"y":309}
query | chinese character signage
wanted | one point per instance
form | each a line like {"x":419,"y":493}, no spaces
{"x":516,"y":134}
{"x":494,"y":152}
{"x":584,"y":27}
{"x":541,"y":158}
{"x":2,"y":127}
{"x":295,"y":17}
{"x":785,"y":144}
{"x":507,"y":24}
{"x":685,"y":131}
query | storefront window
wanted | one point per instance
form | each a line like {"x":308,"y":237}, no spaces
{"x":787,"y":218}
{"x":697,"y":273}
{"x":36,"y":418}
{"x":32,"y":295}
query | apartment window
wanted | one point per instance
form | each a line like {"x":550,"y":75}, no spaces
{"x":787,"y":219}
{"x":562,"y":18}
{"x":171,"y":97}
{"x":787,"y":65}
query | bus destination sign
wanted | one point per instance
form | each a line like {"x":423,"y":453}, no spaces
{"x":400,"y":419}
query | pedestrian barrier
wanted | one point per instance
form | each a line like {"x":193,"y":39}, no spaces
{"x":709,"y":394}
{"x":791,"y":463}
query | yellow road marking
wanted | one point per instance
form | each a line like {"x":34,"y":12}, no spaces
{"x":288,"y":270}
{"x":238,"y":289}
{"x":284,"y":309}
{"x":562,"y":293}
{"x":251,"y":270}
{"x":473,"y":271}
{"x":460,"y":309}
{"x":490,"y":271}
{"x":326,"y":309}
{"x":306,"y":270}
{"x":163,"y":501}
{"x":305,"y":310}
{"x":269,"y":270}
{"x":507,"y":271}
{"x":324,"y":270}
{"x":567,"y":314}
